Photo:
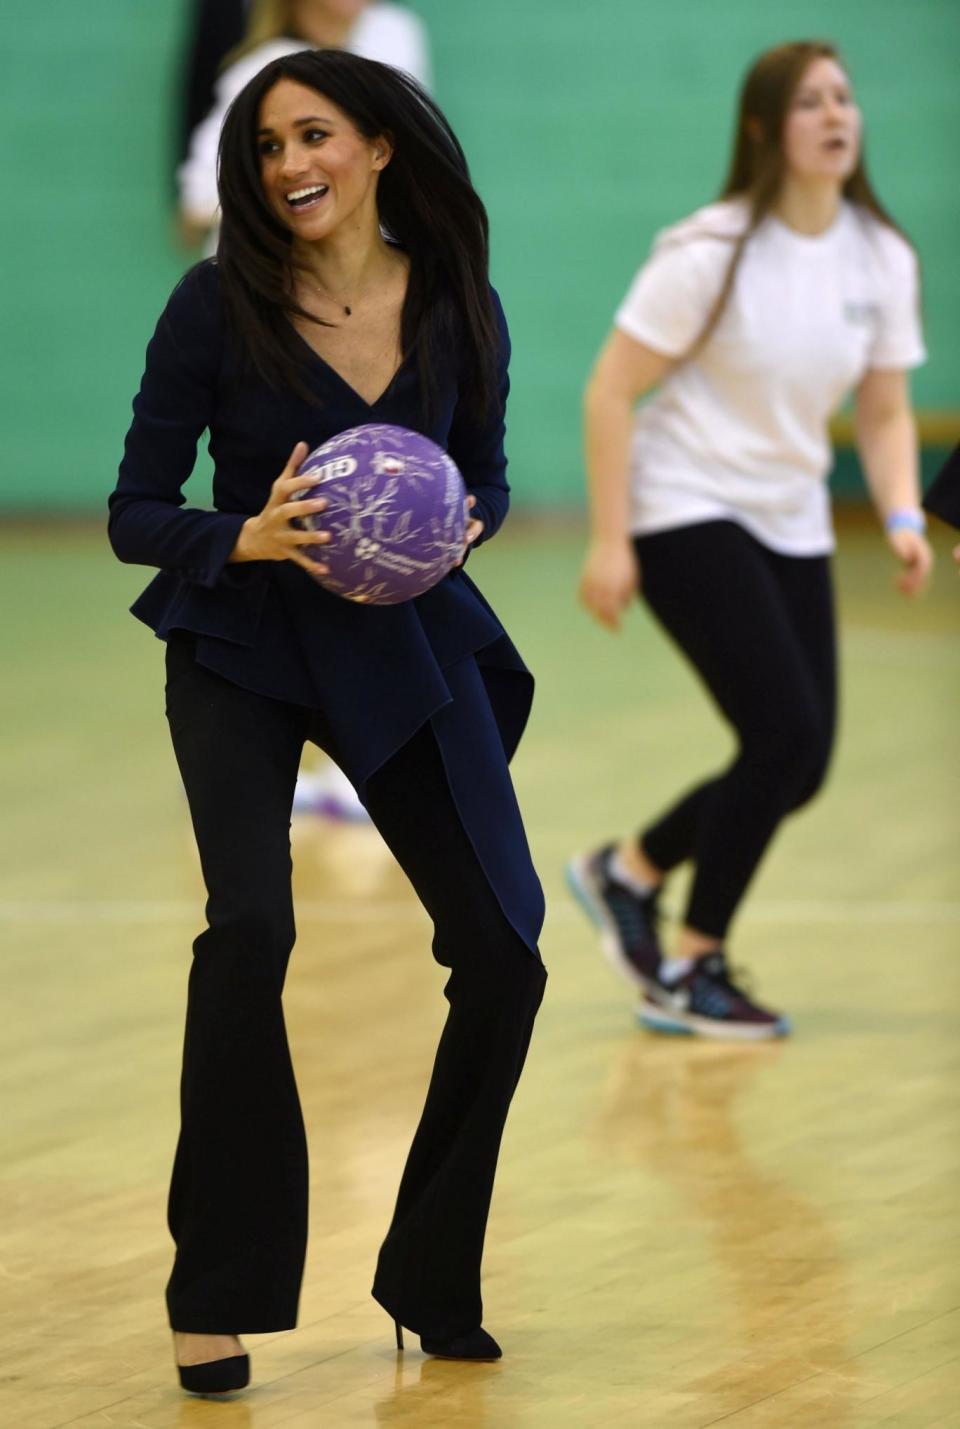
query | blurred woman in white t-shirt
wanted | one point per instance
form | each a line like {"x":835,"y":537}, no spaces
{"x":751,"y":319}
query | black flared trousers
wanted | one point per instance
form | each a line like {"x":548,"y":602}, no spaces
{"x":758,"y":628}
{"x":238,"y":1198}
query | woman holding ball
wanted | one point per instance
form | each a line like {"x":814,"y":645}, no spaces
{"x":350,"y":286}
{"x":752,"y":319}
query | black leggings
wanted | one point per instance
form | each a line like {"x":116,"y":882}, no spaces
{"x":758,"y":628}
{"x":238,"y":1199}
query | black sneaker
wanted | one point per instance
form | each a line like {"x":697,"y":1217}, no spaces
{"x":706,"y":1001}
{"x":627,"y":921}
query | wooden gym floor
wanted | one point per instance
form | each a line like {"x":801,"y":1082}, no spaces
{"x":684,"y":1234}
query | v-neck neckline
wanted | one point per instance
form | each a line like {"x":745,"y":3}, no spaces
{"x":348,"y":386}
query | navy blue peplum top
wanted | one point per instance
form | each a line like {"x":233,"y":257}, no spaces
{"x":375,"y":673}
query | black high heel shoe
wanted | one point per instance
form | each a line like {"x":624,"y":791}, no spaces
{"x":216,"y":1376}
{"x":475,"y":1345}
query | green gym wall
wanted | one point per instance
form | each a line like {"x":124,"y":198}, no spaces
{"x":588,"y":127}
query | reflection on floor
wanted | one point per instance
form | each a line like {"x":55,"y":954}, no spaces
{"x":684,"y":1233}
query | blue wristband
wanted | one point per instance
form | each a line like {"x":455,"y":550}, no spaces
{"x":907,"y":519}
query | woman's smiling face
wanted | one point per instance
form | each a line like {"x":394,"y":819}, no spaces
{"x":318,"y":172}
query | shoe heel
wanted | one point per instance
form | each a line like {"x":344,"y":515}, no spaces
{"x":399,"y":1329}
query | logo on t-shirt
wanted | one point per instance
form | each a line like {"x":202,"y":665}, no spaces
{"x":861,"y":314}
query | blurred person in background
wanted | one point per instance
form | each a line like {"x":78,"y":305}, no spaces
{"x":750,"y":322}
{"x":213,"y":29}
{"x":389,"y":33}
{"x":943,"y":498}
{"x":350,"y":286}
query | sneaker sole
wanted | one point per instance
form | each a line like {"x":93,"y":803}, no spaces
{"x":579,"y":880}
{"x":660,"y":1019}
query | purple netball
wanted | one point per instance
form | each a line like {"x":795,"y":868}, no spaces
{"x":396,"y":513}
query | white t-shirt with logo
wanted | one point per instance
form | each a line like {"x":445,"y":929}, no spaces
{"x":740,"y":430}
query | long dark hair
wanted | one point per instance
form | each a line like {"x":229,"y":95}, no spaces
{"x":758,"y":164}
{"x":426,"y":203}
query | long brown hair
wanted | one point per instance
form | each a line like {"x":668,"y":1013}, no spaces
{"x":758,"y":163}
{"x":269,"y":20}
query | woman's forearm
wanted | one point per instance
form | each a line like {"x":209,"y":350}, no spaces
{"x":887,"y":446}
{"x":608,"y":426}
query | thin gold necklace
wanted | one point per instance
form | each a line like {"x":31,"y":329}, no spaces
{"x":347,"y":309}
